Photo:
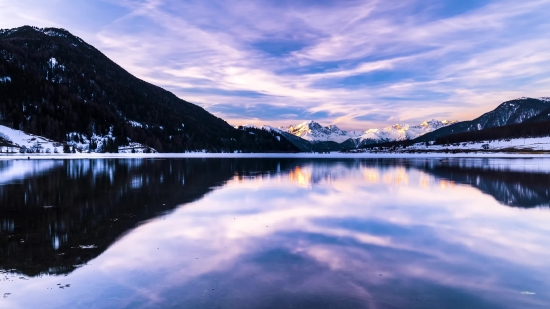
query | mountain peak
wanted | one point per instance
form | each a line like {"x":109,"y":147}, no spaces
{"x":314,"y":132}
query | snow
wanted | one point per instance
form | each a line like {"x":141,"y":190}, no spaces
{"x":314,"y":132}
{"x":136,"y":147}
{"x":83,"y":144}
{"x":52,"y":33}
{"x":135,"y":124}
{"x":400,"y":132}
{"x":5,"y":79}
{"x":519,"y":144}
{"x":271,"y":129}
{"x":29,"y":141}
{"x":52,"y":62}
{"x":75,"y":140}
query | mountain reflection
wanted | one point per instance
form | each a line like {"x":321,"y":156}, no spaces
{"x":56,"y":215}
{"x":509,"y":187}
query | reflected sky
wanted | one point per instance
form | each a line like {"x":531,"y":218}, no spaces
{"x":276,"y":233}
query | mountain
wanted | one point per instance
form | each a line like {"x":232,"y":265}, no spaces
{"x":314,"y":132}
{"x":508,"y":113}
{"x":508,"y":133}
{"x":401,"y":132}
{"x":84,"y":206}
{"x":310,"y":136}
{"x":542,"y":116}
{"x":331,"y":137}
{"x":55,"y":85}
{"x":515,"y":188}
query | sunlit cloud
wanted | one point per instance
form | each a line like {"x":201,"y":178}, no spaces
{"x":358,"y":64}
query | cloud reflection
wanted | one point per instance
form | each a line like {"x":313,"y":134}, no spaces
{"x":323,"y":234}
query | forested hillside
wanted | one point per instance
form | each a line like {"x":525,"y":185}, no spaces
{"x":508,"y":113}
{"x":54,"y":84}
{"x":522,"y":130}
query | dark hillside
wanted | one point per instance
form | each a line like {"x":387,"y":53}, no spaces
{"x":522,"y":130}
{"x":507,"y":113}
{"x":53,"y":83}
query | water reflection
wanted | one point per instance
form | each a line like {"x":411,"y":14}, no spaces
{"x":272,"y":233}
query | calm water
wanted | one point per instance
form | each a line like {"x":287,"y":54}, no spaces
{"x":275,"y":233}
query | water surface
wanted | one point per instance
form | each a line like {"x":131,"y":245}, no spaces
{"x":275,"y":233}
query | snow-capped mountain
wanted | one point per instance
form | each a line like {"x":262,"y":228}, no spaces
{"x":401,"y":132}
{"x":314,"y":132}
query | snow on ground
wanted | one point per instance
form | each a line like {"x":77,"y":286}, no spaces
{"x":135,"y":124}
{"x":5,"y":79}
{"x":77,"y":141}
{"x":52,"y":62}
{"x":519,"y":144}
{"x":29,"y":141}
{"x":136,"y":147}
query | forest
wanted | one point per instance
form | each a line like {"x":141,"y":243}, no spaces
{"x":54,"y":84}
{"x":522,"y":130}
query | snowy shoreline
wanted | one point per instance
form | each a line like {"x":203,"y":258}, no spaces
{"x":333,"y":155}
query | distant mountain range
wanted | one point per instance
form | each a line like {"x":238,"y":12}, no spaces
{"x":312,"y":136}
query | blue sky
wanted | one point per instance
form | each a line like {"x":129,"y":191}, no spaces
{"x":358,"y":64}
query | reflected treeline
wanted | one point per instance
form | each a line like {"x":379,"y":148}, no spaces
{"x":526,"y":189}
{"x":58,"y":215}
{"x":521,"y":183}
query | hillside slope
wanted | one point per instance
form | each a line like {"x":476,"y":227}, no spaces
{"x":508,"y":113}
{"x":53,"y":84}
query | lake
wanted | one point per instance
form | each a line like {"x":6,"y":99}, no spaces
{"x":275,"y":233}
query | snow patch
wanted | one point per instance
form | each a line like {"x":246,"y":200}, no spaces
{"x":5,"y":79}
{"x":51,"y":32}
{"x":135,"y":124}
{"x":29,"y":142}
{"x":518,"y":144}
{"x":52,"y":62}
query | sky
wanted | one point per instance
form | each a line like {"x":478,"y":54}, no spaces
{"x":356,"y":64}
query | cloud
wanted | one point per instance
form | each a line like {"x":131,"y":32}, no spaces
{"x":338,"y":60}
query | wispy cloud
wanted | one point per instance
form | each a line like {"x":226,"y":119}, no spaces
{"x":356,"y":63}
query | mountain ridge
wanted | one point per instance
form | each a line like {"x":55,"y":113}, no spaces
{"x":507,"y":113}
{"x":56,"y":85}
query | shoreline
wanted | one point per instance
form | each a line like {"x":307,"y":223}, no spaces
{"x":333,"y":155}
